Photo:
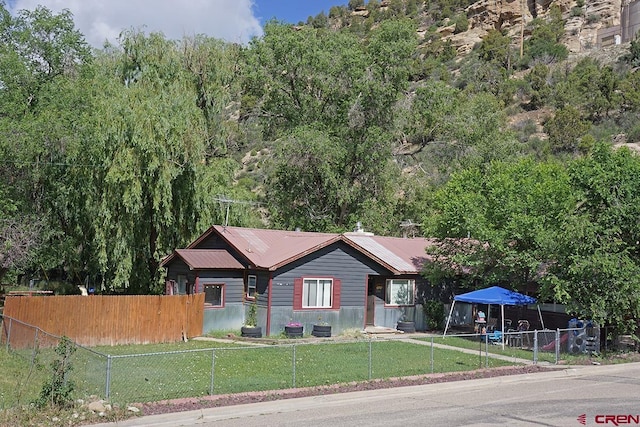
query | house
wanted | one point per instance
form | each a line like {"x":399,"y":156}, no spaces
{"x":350,"y":280}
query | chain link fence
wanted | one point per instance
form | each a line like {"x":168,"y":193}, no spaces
{"x":240,"y":368}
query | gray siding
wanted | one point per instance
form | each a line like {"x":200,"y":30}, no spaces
{"x":339,"y":261}
{"x":178,"y":267}
{"x":233,"y":283}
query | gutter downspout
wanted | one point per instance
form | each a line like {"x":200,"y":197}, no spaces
{"x":270,"y":288}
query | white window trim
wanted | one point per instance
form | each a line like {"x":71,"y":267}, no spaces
{"x":391,"y":283}
{"x":326,"y":295}
{"x":255,"y":286}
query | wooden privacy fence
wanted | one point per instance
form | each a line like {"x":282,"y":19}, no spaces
{"x":109,"y":320}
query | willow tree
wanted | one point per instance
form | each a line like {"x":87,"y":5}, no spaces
{"x":155,"y":135}
{"x":335,"y":94}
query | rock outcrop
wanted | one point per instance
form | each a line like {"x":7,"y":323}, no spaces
{"x":513,"y":16}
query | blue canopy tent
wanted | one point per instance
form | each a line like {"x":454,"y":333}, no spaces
{"x":493,"y":295}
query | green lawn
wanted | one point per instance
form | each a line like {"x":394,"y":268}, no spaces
{"x":140,"y":373}
{"x":241,"y":369}
{"x":474,"y":344}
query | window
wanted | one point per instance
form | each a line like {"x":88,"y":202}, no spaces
{"x":251,"y":286}
{"x":317,"y":293}
{"x":213,"y":295}
{"x":400,"y":292}
{"x":181,"y":285}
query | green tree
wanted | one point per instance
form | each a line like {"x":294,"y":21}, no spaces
{"x":331,"y":87}
{"x":596,"y":266}
{"x":42,"y":58}
{"x":565,"y":129}
{"x":591,"y":88}
{"x":544,"y":43}
{"x":496,"y":48}
{"x":158,"y":150}
{"x":495,"y":223}
{"x":451,"y":129}
{"x":540,"y":88}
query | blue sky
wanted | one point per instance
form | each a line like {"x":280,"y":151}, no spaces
{"x":232,"y":20}
{"x":293,"y":11}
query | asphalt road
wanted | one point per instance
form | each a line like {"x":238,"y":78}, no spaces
{"x":607,"y":394}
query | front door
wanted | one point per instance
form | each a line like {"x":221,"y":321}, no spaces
{"x":371,"y":302}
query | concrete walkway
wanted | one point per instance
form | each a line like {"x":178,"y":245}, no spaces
{"x":418,"y":338}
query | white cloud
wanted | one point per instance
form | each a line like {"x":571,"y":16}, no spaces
{"x":100,"y":20}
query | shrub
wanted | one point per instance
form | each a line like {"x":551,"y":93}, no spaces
{"x":576,"y":11}
{"x":57,"y":389}
{"x":462,"y":24}
{"x":434,"y":314}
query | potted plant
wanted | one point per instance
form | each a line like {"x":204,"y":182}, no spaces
{"x":405,"y":325}
{"x":293,"y":330}
{"x":321,"y":329}
{"x":250,"y":328}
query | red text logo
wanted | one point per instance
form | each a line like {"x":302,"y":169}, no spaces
{"x":617,"y":420}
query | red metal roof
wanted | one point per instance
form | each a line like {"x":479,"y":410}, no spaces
{"x":198,"y":259}
{"x":272,"y":248}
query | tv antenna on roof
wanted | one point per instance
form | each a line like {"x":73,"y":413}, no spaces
{"x":225,"y":200}
{"x":409,"y":226}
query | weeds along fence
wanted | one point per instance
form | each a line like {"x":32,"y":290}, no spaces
{"x":37,"y":349}
{"x":110,"y":319}
{"x":244,"y":367}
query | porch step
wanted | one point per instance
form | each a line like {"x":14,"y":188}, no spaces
{"x":380,"y":330}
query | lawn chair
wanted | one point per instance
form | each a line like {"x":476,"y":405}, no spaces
{"x":495,"y":337}
{"x":523,"y":328}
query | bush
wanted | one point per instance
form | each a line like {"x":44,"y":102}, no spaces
{"x":576,"y":11}
{"x":57,"y":389}
{"x":462,"y":24}
{"x":434,"y":314}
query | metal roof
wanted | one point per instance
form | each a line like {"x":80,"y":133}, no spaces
{"x":199,"y":259}
{"x":271,"y":249}
{"x":401,"y":255}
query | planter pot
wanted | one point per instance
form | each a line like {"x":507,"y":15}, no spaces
{"x":321,"y":331}
{"x":406,"y":327}
{"x":251,"y":331}
{"x":293,"y":331}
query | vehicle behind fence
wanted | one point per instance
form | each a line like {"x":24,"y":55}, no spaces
{"x":242,"y":367}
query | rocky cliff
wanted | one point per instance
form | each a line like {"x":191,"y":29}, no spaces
{"x":512,"y":16}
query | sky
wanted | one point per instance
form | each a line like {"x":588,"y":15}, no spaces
{"x":236,"y":21}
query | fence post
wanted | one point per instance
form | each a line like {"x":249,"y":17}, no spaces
{"x":370,"y":360}
{"x":293,"y":365}
{"x":35,"y":346}
{"x":107,"y":391}
{"x":9,"y":334}
{"x":213,"y":368}
{"x":432,"y":355}
{"x":535,"y":347}
{"x":557,"y":345}
{"x":486,"y":350}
